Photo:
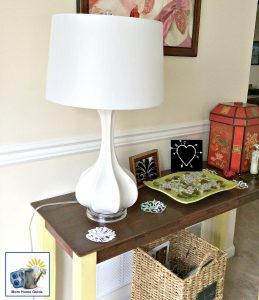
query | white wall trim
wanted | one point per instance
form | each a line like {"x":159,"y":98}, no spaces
{"x":230,"y":251}
{"x":27,"y":152}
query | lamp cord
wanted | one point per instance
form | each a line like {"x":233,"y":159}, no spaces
{"x":32,"y":217}
{"x":41,"y":206}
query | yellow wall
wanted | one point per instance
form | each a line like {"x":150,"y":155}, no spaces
{"x":192,"y":87}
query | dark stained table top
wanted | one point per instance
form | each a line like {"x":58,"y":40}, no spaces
{"x":69,"y":224}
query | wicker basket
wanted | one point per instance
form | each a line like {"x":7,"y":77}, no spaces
{"x":151,"y":280}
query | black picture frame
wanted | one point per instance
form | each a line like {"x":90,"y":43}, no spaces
{"x":186,"y":155}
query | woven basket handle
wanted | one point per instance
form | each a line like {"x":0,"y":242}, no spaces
{"x":204,"y":261}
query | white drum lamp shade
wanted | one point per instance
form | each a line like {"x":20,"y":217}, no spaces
{"x":106,"y":63}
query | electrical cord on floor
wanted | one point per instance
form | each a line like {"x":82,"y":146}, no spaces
{"x":32,"y":217}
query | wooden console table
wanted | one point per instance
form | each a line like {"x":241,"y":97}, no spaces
{"x":68,"y":225}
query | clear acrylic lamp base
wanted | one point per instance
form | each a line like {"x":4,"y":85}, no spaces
{"x":106,"y":188}
{"x":106,"y":218}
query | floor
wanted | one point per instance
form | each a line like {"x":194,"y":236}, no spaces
{"x":242,"y":276}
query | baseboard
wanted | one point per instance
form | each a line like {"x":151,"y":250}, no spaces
{"x":27,"y":152}
{"x":230,"y":251}
{"x":124,"y":293}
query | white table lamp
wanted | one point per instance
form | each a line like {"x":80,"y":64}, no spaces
{"x":106,"y":63}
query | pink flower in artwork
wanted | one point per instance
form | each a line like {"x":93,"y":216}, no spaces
{"x":92,"y":3}
{"x":149,"y":4}
{"x":180,"y":21}
{"x":174,"y":10}
{"x":182,"y":4}
{"x":134,"y":13}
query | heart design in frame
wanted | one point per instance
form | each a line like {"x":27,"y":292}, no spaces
{"x":186,"y":155}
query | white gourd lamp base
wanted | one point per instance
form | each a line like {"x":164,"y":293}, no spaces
{"x":106,"y":188}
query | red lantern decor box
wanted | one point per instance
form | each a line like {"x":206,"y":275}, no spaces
{"x":234,"y":129}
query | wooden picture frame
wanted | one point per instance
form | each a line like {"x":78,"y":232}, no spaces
{"x":145,"y":166}
{"x":181,"y":20}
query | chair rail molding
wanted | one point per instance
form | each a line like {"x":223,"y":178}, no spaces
{"x":12,"y":154}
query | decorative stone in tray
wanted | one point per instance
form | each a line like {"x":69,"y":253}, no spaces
{"x":189,"y":187}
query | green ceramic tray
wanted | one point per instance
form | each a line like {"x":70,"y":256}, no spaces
{"x":227,"y":185}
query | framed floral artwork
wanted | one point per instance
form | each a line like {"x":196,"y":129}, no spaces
{"x":180,"y":18}
{"x":145,"y":166}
